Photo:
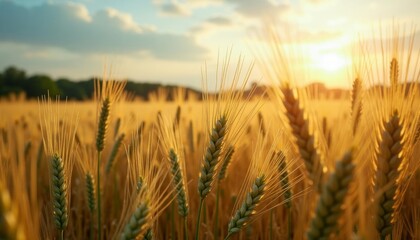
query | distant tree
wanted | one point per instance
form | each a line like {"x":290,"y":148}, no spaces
{"x":71,"y":90}
{"x":38,"y":85}
{"x":14,"y":77}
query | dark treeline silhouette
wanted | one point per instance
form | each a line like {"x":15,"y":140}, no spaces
{"x":14,"y":81}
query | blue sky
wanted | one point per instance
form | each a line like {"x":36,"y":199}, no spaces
{"x":169,"y":41}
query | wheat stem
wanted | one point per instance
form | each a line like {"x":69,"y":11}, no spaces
{"x":100,"y":141}
{"x":211,"y":159}
{"x":98,"y":195}
{"x":216,"y":224}
{"x":198,"y":219}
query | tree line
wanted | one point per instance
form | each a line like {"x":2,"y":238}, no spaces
{"x":14,"y":81}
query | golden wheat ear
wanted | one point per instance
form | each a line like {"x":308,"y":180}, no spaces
{"x":356,"y":103}
{"x":389,"y":158}
{"x":304,"y":139}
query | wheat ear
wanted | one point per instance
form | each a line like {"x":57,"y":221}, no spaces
{"x":329,"y":206}
{"x":390,"y":157}
{"x":356,"y":103}
{"x":90,"y":192}
{"x":148,"y":235}
{"x":136,"y":224}
{"x":9,"y":222}
{"x":140,"y":184}
{"x":247,"y":209}
{"x":304,"y":139}
{"x":211,"y":157}
{"x":103,"y":124}
{"x":114,"y":152}
{"x":179,"y":184}
{"x":59,"y":192}
{"x":284,"y":180}
{"x":117,"y":127}
{"x":226,"y":162}
{"x":393,"y":72}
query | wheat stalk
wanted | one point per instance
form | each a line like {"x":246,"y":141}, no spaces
{"x":210,"y":161}
{"x":329,"y":206}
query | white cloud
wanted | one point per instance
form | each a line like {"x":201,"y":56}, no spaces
{"x":71,"y":27}
{"x":183,"y":8}
{"x":174,"y":9}
{"x":263,"y":9}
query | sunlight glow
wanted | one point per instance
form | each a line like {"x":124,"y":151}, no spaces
{"x":331,"y":62}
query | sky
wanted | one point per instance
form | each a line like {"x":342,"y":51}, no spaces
{"x":172,"y":41}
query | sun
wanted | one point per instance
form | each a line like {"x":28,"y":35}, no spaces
{"x":331,"y":62}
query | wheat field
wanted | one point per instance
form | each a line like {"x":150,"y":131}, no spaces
{"x":236,"y":165}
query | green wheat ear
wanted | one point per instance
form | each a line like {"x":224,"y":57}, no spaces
{"x":211,"y":157}
{"x":284,"y":180}
{"x":90,"y":190}
{"x":59,"y":192}
{"x":140,"y":184}
{"x":329,"y":206}
{"x":136,"y":223}
{"x":226,"y":162}
{"x":247,"y":209}
{"x":148,"y":235}
{"x":179,"y":184}
{"x":114,"y":152}
{"x":103,"y":124}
